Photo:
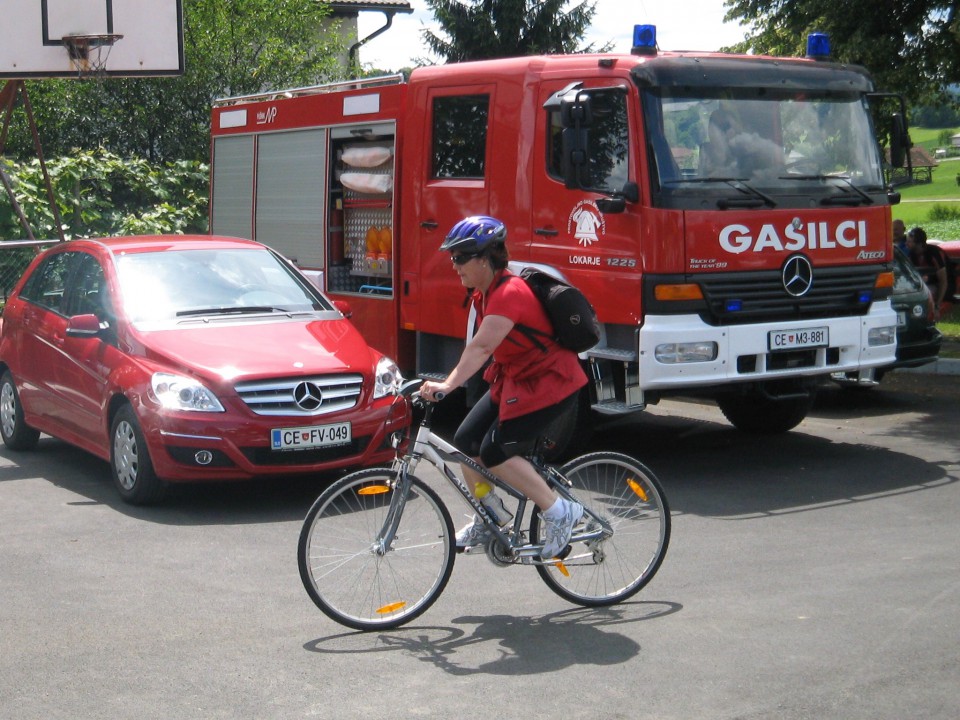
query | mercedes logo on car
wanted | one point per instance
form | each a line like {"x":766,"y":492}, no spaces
{"x":307,"y":396}
{"x":797,"y":275}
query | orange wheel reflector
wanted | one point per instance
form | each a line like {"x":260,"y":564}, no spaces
{"x":635,"y":486}
{"x":392,"y":607}
{"x":562,"y":568}
{"x":373,"y":490}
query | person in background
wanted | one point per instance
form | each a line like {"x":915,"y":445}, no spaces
{"x":530,"y":386}
{"x":931,"y":262}
{"x":900,"y":236}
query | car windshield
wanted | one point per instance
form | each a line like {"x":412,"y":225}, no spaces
{"x":177,"y":284}
{"x":786,"y":144}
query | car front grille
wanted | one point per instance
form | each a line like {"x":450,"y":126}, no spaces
{"x":302,"y":396}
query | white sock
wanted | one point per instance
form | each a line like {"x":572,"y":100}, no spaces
{"x":556,"y":510}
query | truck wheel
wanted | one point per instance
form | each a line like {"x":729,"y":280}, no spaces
{"x":761,"y":415}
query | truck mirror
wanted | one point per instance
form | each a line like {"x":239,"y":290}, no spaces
{"x":899,"y":141}
{"x":573,"y":156}
{"x":630,"y":192}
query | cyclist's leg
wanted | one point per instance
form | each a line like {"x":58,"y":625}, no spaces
{"x":503,"y":450}
{"x":478,"y":423}
{"x":504,"y":447}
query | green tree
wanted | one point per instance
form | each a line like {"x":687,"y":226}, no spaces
{"x":100,"y":194}
{"x":910,"y":46}
{"x":481,"y":29}
{"x":231,"y":47}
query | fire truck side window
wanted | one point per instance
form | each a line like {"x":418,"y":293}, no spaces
{"x":460,"y":136}
{"x":608,"y":142}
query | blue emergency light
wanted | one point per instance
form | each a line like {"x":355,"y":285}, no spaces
{"x":818,"y":46}
{"x":644,"y":40}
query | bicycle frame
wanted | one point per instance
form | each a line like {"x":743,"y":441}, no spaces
{"x":432,"y":448}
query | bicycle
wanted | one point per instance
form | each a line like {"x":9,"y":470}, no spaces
{"x":377,"y":547}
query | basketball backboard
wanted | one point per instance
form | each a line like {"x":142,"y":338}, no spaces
{"x":32,"y":32}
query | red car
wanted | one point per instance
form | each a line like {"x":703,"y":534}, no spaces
{"x":190,"y":358}
{"x":952,"y":250}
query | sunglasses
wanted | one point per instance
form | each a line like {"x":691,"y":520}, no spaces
{"x":463,"y":258}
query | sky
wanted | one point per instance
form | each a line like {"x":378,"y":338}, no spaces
{"x":681,"y":25}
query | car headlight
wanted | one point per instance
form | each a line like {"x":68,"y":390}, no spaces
{"x":386,"y":379}
{"x":176,"y":392}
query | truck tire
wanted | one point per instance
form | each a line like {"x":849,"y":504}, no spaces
{"x":761,"y":415}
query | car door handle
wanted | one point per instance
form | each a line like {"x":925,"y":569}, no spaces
{"x":546,"y":231}
{"x":430,"y":224}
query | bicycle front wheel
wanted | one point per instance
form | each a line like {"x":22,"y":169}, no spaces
{"x":346,"y":571}
{"x":625,"y":494}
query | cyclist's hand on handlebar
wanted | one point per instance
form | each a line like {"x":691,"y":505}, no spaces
{"x":433,"y":391}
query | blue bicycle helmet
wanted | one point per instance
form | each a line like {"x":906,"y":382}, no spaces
{"x":475,"y":235}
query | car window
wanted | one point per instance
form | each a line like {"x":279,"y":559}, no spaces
{"x":179,"y":283}
{"x":906,"y":279}
{"x":86,"y":292}
{"x":47,"y":284}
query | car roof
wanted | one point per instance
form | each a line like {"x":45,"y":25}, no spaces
{"x":161,"y":243}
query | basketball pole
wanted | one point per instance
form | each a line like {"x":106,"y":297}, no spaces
{"x":8,"y":95}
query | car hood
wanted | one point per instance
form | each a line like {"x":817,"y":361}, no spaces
{"x":238,"y":351}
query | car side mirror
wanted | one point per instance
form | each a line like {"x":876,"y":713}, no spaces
{"x":344,"y":307}
{"x":83,"y":326}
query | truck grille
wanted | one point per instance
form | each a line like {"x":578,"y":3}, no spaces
{"x":737,"y":298}
{"x":303,"y":396}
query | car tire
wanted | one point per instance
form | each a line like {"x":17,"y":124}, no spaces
{"x":130,"y":463}
{"x":17,"y":435}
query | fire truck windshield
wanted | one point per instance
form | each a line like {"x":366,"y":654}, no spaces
{"x":790,"y":146}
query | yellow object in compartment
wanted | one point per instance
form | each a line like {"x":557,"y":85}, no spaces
{"x":372,"y":239}
{"x":386,"y":240}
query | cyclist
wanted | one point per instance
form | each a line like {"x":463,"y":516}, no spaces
{"x":530,"y":385}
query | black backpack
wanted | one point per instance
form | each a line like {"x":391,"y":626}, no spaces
{"x":575,"y":324}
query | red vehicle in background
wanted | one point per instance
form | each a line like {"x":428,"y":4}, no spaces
{"x":726,"y":215}
{"x":190,"y":358}
{"x":952,"y":250}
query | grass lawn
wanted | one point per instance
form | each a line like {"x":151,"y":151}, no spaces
{"x":917,"y":202}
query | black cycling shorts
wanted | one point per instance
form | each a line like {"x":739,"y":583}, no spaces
{"x":481,"y":434}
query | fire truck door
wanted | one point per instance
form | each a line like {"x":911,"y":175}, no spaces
{"x":455,"y":184}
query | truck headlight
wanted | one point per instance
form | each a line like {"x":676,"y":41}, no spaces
{"x":692,"y":352}
{"x":882,"y":336}
{"x":176,"y":392}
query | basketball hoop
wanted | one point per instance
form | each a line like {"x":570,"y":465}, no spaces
{"x":89,"y":53}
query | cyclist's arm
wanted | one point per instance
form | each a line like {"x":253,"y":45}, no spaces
{"x":492,"y":331}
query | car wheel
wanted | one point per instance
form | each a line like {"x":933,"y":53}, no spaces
{"x":130,"y":463}
{"x":17,"y":435}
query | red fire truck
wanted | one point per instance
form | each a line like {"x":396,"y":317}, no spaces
{"x":726,"y":215}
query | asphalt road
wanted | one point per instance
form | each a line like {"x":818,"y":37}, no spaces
{"x":810,"y":575}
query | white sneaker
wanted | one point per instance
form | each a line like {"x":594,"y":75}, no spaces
{"x":557,"y":531}
{"x":476,"y":533}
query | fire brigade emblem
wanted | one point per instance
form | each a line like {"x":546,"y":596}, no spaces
{"x":586,"y":223}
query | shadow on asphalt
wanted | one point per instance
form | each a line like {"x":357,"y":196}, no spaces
{"x":523,"y":645}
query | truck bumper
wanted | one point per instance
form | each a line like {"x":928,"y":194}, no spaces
{"x":674,"y":351}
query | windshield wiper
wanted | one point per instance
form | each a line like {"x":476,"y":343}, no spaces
{"x":231,"y":310}
{"x":759,"y":198}
{"x":848,"y":199}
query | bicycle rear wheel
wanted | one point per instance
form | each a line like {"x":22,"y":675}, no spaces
{"x":627,"y":495}
{"x":342,"y":568}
